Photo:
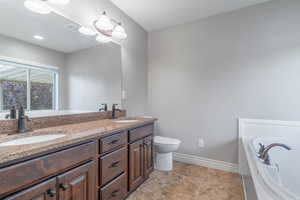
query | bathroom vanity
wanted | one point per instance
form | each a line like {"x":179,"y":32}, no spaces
{"x":107,"y":162}
{"x":95,"y":157}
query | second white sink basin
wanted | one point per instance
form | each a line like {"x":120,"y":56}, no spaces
{"x":126,"y":121}
{"x":31,"y":140}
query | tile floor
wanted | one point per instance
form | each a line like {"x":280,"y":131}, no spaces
{"x":190,"y":182}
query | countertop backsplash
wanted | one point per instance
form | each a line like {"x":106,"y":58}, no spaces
{"x":11,"y":126}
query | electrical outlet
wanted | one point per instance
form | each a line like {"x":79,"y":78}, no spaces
{"x":201,"y":143}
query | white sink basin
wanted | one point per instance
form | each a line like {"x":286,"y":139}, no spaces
{"x":126,"y":121}
{"x":146,"y":117}
{"x":31,"y":140}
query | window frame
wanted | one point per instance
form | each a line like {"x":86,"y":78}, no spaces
{"x":28,"y":66}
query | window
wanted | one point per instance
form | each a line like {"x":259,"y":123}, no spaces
{"x":31,"y":87}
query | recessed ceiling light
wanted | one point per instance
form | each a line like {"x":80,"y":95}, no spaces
{"x":38,"y":37}
{"x":37,"y":6}
{"x":86,"y":31}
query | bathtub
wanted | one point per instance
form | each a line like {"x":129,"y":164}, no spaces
{"x":281,"y":179}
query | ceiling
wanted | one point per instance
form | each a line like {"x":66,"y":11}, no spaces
{"x":59,"y":33}
{"x":158,"y":14}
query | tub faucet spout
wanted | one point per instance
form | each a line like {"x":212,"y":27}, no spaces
{"x":264,"y":153}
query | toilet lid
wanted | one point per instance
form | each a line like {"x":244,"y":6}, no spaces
{"x":165,"y":140}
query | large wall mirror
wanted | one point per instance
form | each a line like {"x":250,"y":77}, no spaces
{"x":47,"y":65}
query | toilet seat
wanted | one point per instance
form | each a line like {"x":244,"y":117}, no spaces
{"x":166,"y":140}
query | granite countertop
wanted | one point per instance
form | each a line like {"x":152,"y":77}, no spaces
{"x":74,"y":133}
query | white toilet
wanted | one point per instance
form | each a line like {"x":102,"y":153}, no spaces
{"x":164,"y":152}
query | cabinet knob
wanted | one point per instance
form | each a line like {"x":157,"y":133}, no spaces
{"x":114,"y":193}
{"x":51,"y":193}
{"x":64,"y":187}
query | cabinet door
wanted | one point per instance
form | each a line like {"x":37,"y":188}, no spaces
{"x":79,"y":183}
{"x":148,"y":156}
{"x":135,"y":164}
{"x":42,"y":191}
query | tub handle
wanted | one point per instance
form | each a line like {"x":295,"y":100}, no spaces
{"x":261,"y":148}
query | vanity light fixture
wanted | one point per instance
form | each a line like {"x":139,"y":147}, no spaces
{"x":106,"y":29}
{"x":103,"y":38}
{"x":119,"y":32}
{"x":41,"y":6}
{"x":104,"y":23}
{"x":86,"y":31}
{"x":109,"y":27}
{"x":38,"y":37}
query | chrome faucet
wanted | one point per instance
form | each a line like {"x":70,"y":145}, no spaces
{"x":263,"y":151}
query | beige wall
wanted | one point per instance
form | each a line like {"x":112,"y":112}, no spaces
{"x":93,"y":76}
{"x":203,"y":76}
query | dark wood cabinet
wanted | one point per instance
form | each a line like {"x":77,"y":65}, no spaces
{"x":140,"y":161}
{"x":79,"y":183}
{"x":19,"y":176}
{"x":136,"y":164}
{"x":148,"y":156}
{"x":103,"y":168}
{"x":43,"y":191}
{"x":76,"y":184}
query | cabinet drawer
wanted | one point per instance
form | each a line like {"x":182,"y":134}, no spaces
{"x":112,"y":165}
{"x":116,"y":190}
{"x":140,"y":132}
{"x":113,"y":142}
{"x":21,"y":175}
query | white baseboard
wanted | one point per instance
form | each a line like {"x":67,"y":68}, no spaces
{"x":205,"y":162}
{"x":244,"y":189}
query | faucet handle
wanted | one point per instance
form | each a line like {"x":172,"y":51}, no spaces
{"x":104,"y":107}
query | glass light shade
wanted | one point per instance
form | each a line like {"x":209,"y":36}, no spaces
{"x":103,"y":39}
{"x":119,"y":32}
{"x":37,"y":6}
{"x":104,"y":23}
{"x":86,"y":31}
{"x":61,"y":2}
{"x":38,"y":37}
